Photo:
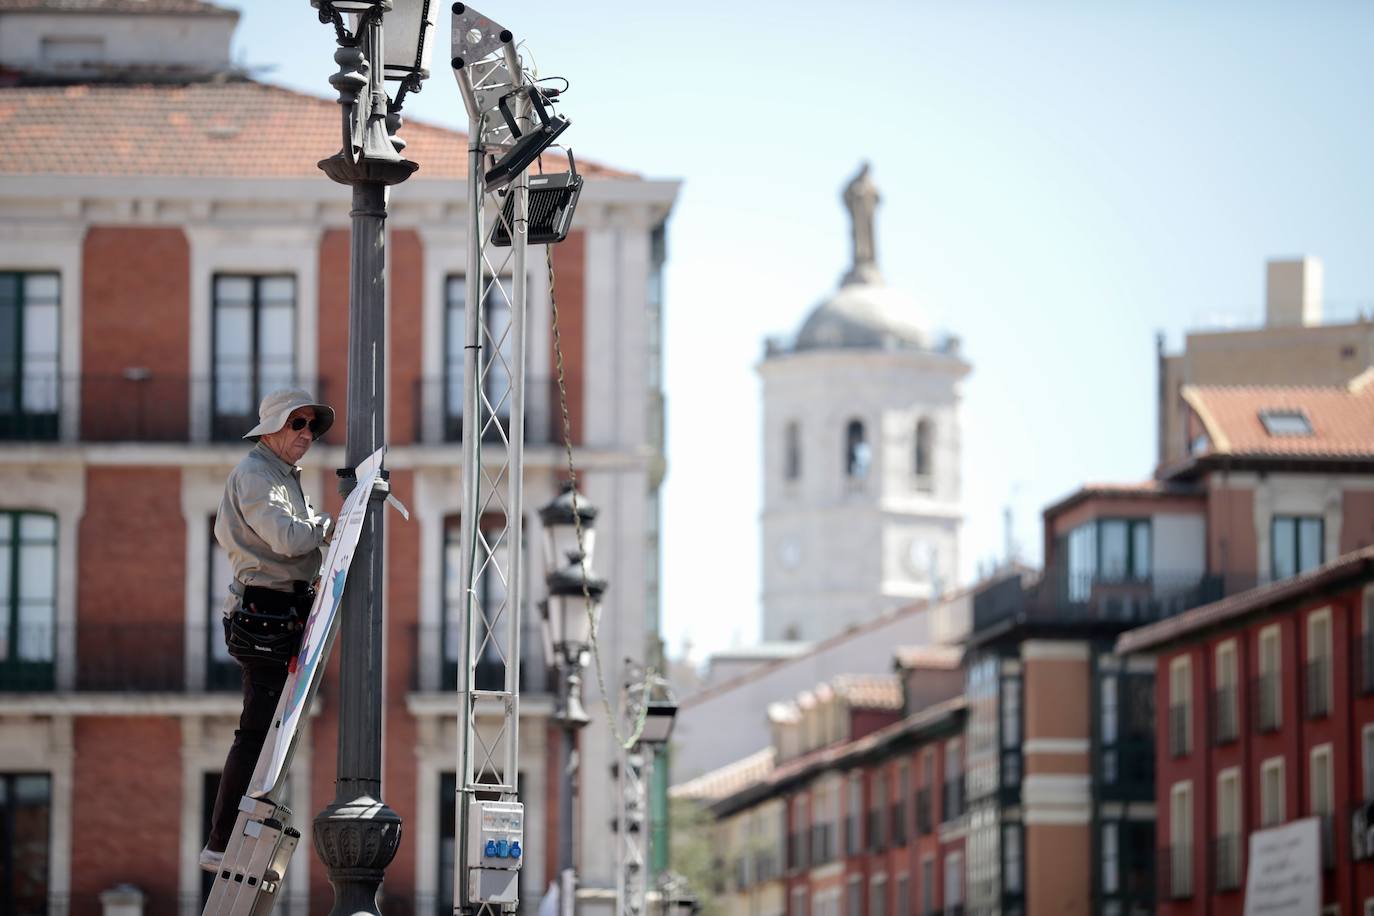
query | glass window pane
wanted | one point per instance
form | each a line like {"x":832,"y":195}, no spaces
{"x":276,"y":332}
{"x":232,"y":290}
{"x":35,"y":527}
{"x":1285,"y":548}
{"x":10,"y":288}
{"x":41,"y":289}
{"x":1113,"y":541}
{"x":37,"y":572}
{"x":1141,"y":561}
{"x":277,"y":291}
{"x":1309,"y":544}
{"x":233,"y":336}
{"x":1109,"y":706}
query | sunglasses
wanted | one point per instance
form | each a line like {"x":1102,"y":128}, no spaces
{"x":300,"y":423}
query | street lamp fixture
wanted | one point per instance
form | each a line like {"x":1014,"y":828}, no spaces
{"x":573,"y":604}
{"x":561,"y":518}
{"x":659,"y":716}
{"x":409,"y":41}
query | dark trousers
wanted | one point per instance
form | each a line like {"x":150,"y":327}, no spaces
{"x":262,"y":686}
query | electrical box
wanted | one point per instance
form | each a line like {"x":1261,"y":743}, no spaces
{"x":496,"y":850}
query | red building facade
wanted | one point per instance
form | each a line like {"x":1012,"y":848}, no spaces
{"x":1265,"y":715}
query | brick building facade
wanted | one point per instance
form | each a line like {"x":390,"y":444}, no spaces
{"x":1266,"y":715}
{"x":168,"y":253}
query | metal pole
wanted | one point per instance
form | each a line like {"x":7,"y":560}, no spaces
{"x":357,"y":835}
{"x":568,"y":766}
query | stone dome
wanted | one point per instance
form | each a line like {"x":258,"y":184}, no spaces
{"x":868,"y":316}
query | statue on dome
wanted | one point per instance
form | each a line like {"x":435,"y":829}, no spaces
{"x":861,"y":199}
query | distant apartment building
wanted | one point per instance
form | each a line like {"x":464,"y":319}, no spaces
{"x":169,"y":252}
{"x":1296,"y":345}
{"x":1278,"y":481}
{"x":1265,"y":716}
{"x":857,"y":808}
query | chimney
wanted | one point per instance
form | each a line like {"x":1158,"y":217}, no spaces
{"x":1293,"y":292}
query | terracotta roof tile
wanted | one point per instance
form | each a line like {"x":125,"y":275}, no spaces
{"x":729,"y":779}
{"x":942,"y":657}
{"x":236,"y":129}
{"x":869,"y":691}
{"x":176,"y":7}
{"x":1341,"y":419}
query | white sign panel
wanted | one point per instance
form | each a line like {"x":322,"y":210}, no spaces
{"x":308,"y":666}
{"x":1285,"y":870}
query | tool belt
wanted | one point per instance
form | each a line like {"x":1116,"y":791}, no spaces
{"x":268,"y":624}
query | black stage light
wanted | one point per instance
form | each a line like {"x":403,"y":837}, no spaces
{"x":552,"y":201}
{"x":528,"y":145}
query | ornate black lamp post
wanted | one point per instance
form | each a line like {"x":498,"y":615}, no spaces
{"x":357,"y":835}
{"x":574,"y":600}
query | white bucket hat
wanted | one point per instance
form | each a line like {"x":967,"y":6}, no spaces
{"x":277,"y":406}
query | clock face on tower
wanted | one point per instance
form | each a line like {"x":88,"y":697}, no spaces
{"x":920,"y":559}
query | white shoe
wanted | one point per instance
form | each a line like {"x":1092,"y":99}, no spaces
{"x":210,"y":860}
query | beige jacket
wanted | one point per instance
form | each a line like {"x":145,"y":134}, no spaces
{"x":266,"y":525}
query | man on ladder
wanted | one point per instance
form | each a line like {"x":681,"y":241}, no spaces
{"x":274,"y":539}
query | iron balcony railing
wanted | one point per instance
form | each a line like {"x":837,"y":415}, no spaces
{"x":436,"y":649}
{"x":1174,"y":872}
{"x":1180,"y":730}
{"x":1120,"y":600}
{"x":1316,"y":687}
{"x":1227,"y":873}
{"x":144,"y":405}
{"x":115,"y":658}
{"x":1268,"y":700}
{"x":1225,"y":715}
{"x":438,"y":410}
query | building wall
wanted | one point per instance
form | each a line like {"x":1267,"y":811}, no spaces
{"x":1346,"y":883}
{"x":133,"y":517}
{"x":1320,"y":355}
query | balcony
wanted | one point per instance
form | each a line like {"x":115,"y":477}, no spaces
{"x":1128,"y":770}
{"x":1121,"y":603}
{"x":924,"y":821}
{"x":822,"y":844}
{"x":145,"y":406}
{"x":438,"y":415}
{"x":1316,"y":687}
{"x":114,"y":658}
{"x":1175,"y":872}
{"x":1180,"y":730}
{"x":437,"y":649}
{"x":953,"y":799}
{"x":1225,"y":716}
{"x":1268,"y":700}
{"x":1227,"y":873}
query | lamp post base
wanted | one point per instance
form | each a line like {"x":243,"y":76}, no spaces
{"x":356,"y":840}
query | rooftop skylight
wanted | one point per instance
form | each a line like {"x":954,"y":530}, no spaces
{"x":1285,"y":422}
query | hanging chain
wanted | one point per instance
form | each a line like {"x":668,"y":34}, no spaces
{"x":594,"y":624}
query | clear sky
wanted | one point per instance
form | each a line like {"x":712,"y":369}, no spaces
{"x":1060,"y":181}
